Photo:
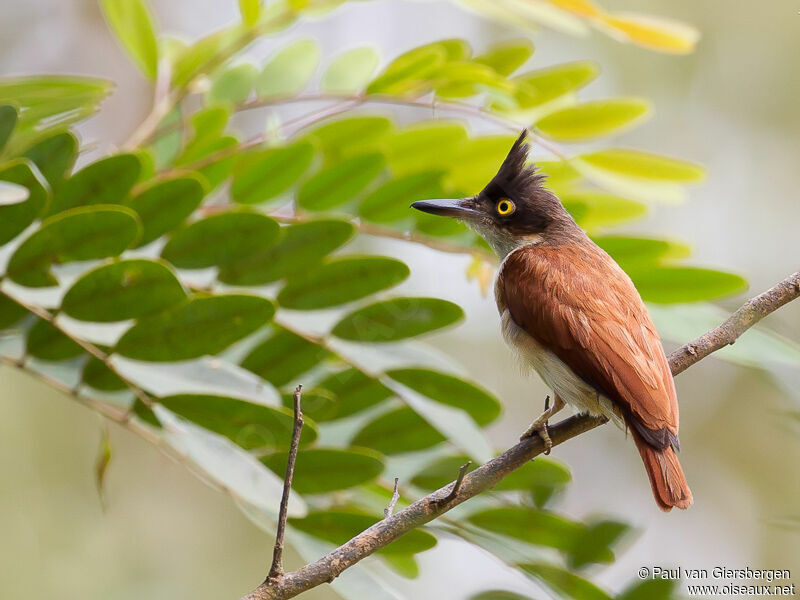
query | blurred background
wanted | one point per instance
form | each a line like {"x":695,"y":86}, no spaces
{"x":732,"y":106}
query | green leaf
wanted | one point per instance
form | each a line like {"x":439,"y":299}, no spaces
{"x":263,"y":175}
{"x":400,"y":430}
{"x":190,"y":61}
{"x":408,"y":73}
{"x":250,"y":9}
{"x":507,"y":57}
{"x":672,"y":285}
{"x":232,"y":86}
{"x":289,"y":71}
{"x":397,"y":319}
{"x":339,"y":526}
{"x":341,"y":280}
{"x":634,"y":163}
{"x":593,"y":545}
{"x":323,"y":470}
{"x":202,"y":325}
{"x":595,"y":210}
{"x":452,"y":391}
{"x":132,"y":23}
{"x":529,"y":525}
{"x":390,"y":202}
{"x":634,"y":253}
{"x":8,"y":120}
{"x":592,"y":120}
{"x":424,"y":146}
{"x":498,"y":595}
{"x":477,"y":162}
{"x":84,"y":233}
{"x":54,"y":156}
{"x":567,"y":584}
{"x":244,"y":423}
{"x":340,"y":183}
{"x":125,"y":289}
{"x":282,"y":357}
{"x":10,"y":312}
{"x":535,"y":88}
{"x":404,"y":565}
{"x":343,"y":138}
{"x":208,"y":127}
{"x":107,"y":181}
{"x":299,"y":247}
{"x":169,"y":139}
{"x":344,"y":394}
{"x":15,"y":218}
{"x":651,"y":589}
{"x":98,"y":376}
{"x":46,"y":342}
{"x":351,"y":71}
{"x":164,"y":205}
{"x":221,"y":240}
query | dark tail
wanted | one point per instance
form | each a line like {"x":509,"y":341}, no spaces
{"x":666,"y":476}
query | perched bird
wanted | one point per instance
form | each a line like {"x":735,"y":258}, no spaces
{"x":574,"y":315}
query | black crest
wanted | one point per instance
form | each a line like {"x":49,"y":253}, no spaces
{"x":517,"y":177}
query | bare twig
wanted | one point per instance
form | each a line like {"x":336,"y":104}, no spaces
{"x":486,"y":476}
{"x":457,"y":483}
{"x":387,"y":512}
{"x":276,"y":571}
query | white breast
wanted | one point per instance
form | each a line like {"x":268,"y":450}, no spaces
{"x":556,"y":374}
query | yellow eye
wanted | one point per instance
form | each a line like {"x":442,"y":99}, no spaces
{"x":505,"y":207}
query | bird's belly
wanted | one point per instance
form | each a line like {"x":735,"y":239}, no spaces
{"x":556,"y":374}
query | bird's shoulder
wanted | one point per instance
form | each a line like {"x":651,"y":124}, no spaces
{"x":576,"y":301}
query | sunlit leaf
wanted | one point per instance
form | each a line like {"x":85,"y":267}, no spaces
{"x":477,"y":161}
{"x":344,"y":138}
{"x":351,"y":70}
{"x":263,"y":175}
{"x":322,"y":470}
{"x":233,"y":85}
{"x":107,"y":181}
{"x":634,"y":163}
{"x":340,"y":183}
{"x":594,"y":210}
{"x":424,"y":146}
{"x":637,"y":252}
{"x":221,"y":240}
{"x":283,"y":356}
{"x":46,"y":342}
{"x":341,"y":280}
{"x":132,"y":22}
{"x":126,"y":289}
{"x":247,"y":424}
{"x":84,"y":233}
{"x":452,"y":391}
{"x":657,"y":33}
{"x":16,"y":217}
{"x":289,"y":71}
{"x":338,"y":526}
{"x":408,"y":73}
{"x":397,"y":431}
{"x":299,"y":247}
{"x":507,"y":57}
{"x":397,"y":319}
{"x":202,"y":325}
{"x":164,"y":205}
{"x":534,"y":88}
{"x":594,"y":119}
{"x":250,"y":9}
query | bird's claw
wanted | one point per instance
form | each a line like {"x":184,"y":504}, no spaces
{"x":540,"y":428}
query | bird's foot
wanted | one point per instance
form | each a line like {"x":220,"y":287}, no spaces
{"x":539,"y":426}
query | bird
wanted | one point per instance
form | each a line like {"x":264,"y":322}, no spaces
{"x":572,"y":314}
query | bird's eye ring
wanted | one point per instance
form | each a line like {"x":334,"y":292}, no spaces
{"x":505,"y":207}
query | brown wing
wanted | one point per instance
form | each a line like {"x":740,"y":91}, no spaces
{"x":575,"y":300}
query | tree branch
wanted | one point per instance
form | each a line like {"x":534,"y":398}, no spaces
{"x":486,"y":476}
{"x":276,"y":571}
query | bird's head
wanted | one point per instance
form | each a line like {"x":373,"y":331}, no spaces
{"x":513,"y":210}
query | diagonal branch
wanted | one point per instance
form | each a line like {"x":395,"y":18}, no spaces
{"x":486,"y":476}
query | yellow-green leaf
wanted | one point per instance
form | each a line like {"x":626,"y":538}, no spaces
{"x":592,"y":120}
{"x":132,"y":23}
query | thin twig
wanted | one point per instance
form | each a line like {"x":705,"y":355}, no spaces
{"x":387,"y":512}
{"x":486,"y":476}
{"x":276,"y":571}
{"x":457,"y":483}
